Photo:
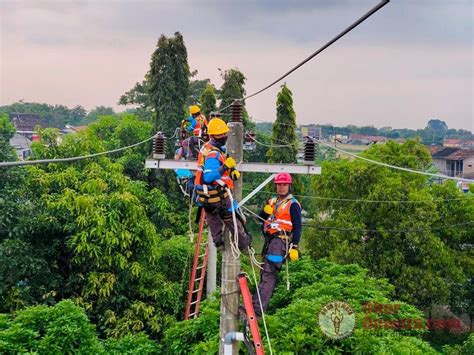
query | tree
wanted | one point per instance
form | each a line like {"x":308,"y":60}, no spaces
{"x":232,"y":89}
{"x":292,"y":316}
{"x":284,"y":136}
{"x":93,"y":236}
{"x":437,"y":126}
{"x":97,"y":112}
{"x":196,"y":89}
{"x":62,"y":329}
{"x":208,"y":100}
{"x":168,"y":80}
{"x":400,"y":241}
{"x":77,"y":115}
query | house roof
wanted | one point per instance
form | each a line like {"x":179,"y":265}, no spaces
{"x":19,"y":141}
{"x":26,"y":121}
{"x":452,"y":141}
{"x":453,"y":154}
{"x":369,"y":138}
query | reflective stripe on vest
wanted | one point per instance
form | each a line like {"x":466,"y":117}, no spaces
{"x":201,"y":124}
{"x":208,"y":150}
{"x":280,"y":220}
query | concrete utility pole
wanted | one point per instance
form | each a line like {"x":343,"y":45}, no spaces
{"x":230,"y":265}
{"x":211,"y":265}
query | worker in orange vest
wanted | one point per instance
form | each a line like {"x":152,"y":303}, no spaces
{"x":282,"y":231}
{"x":214,"y":181}
{"x":196,"y":123}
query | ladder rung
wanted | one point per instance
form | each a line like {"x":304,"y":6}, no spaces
{"x":199,"y":278}
{"x":195,"y":302}
{"x":196,"y":290}
{"x":192,"y":314}
{"x":199,"y":267}
{"x":202,"y":255}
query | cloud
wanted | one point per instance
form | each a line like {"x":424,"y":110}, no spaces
{"x":407,"y":63}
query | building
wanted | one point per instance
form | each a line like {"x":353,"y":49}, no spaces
{"x":452,"y":143}
{"x":22,"y":146}
{"x":454,"y":161}
{"x":26,"y":122}
{"x":365,"y":139}
{"x":310,"y":130}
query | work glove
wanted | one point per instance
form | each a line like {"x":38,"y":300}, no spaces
{"x":294,"y":254}
{"x":230,"y":163}
{"x":234,"y":174}
{"x":268,"y":209}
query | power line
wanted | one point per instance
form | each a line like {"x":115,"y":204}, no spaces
{"x":374,"y":201}
{"x":64,"y":160}
{"x":371,"y":230}
{"x":395,"y":167}
{"x":344,"y":32}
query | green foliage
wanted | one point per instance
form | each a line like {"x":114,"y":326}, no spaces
{"x":45,"y":330}
{"x":63,"y":329}
{"x":168,"y":80}
{"x":418,"y":260}
{"x":293,"y":316}
{"x":98,"y":112}
{"x":130,"y":344}
{"x":92,"y":234}
{"x":232,"y":89}
{"x":53,"y":116}
{"x":208,"y":100}
{"x":467,"y":348}
{"x":284,"y":130}
{"x":196,"y":89}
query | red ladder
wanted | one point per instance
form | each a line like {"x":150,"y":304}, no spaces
{"x":251,"y":317}
{"x":198,"y":273}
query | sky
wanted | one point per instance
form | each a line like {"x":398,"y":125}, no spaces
{"x":410,"y":62}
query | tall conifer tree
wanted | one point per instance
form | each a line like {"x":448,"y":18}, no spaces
{"x":168,"y":80}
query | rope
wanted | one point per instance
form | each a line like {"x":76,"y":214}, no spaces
{"x":261,"y":308}
{"x":234,"y":244}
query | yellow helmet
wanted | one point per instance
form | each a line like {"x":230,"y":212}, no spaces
{"x":217,"y":126}
{"x":194,"y":109}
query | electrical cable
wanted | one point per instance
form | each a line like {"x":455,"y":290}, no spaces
{"x":71,"y":159}
{"x":374,"y":201}
{"x":370,"y":230}
{"x":393,"y":166}
{"x":344,"y":32}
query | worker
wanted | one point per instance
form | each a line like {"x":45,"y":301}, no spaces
{"x":214,"y":181}
{"x":196,"y":122}
{"x":282,"y":233}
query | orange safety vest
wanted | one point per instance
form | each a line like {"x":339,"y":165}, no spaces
{"x":201,"y":125}
{"x":280,"y":220}
{"x":209,"y":151}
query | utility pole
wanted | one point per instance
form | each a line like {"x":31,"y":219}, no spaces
{"x":211,"y":265}
{"x":229,"y":321}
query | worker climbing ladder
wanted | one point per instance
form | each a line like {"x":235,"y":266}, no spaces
{"x":198,"y":274}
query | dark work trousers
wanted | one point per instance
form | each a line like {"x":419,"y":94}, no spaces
{"x":218,"y":215}
{"x":269,"y":274}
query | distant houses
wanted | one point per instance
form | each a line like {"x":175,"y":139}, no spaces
{"x":452,"y":161}
{"x":25,"y":125}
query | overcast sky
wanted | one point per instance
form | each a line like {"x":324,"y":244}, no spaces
{"x":410,"y":62}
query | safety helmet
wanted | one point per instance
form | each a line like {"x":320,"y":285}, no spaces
{"x":217,"y":126}
{"x":283,"y":178}
{"x":194,"y":109}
